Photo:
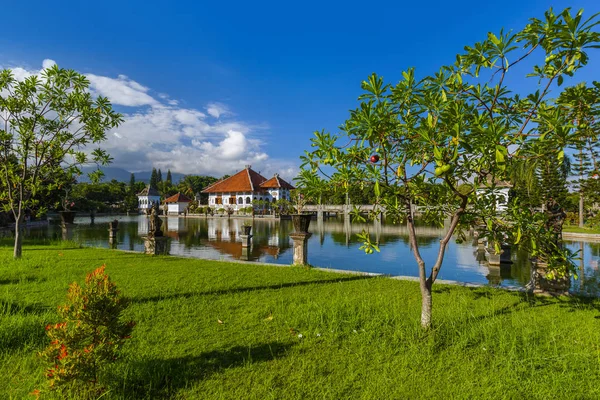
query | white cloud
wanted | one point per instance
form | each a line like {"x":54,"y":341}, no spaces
{"x":122,"y":91}
{"x":157,"y":132}
{"x":217,"y":109}
{"x":48,"y":63}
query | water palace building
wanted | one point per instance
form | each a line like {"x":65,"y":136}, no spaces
{"x":147,"y":198}
{"x":238,"y":191}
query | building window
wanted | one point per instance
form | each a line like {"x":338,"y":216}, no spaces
{"x":240,"y":200}
{"x":248,"y":200}
{"x":232,"y":200}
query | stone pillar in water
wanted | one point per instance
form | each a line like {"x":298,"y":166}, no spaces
{"x":112,"y":233}
{"x":300,"y":247}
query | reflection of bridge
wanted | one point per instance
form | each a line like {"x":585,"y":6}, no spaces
{"x":346,"y":209}
{"x":399,"y":230}
{"x":375,"y":228}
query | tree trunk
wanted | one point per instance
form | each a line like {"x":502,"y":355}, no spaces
{"x":426,"y":304}
{"x":580,"y":209}
{"x":18,"y":249}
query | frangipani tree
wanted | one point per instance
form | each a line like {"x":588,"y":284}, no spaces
{"x":462,"y":125}
{"x":46,"y":122}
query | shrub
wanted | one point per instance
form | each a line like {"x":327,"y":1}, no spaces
{"x":90,"y":336}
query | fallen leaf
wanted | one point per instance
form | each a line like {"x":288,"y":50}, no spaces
{"x":219,"y":321}
{"x":269,"y":318}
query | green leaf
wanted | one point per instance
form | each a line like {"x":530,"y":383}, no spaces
{"x":519,"y":233}
{"x":499,"y":155}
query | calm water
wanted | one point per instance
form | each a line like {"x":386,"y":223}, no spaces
{"x":333,"y":245}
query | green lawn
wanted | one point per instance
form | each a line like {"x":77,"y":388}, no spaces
{"x":360,"y":336}
{"x":577,"y":229}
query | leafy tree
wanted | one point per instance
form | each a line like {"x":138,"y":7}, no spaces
{"x":102,"y":197}
{"x":190,"y":185}
{"x":582,"y":107}
{"x":47,"y":121}
{"x":154,"y":179}
{"x":419,"y":140}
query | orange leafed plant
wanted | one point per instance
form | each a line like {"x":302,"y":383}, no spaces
{"x":90,"y":336}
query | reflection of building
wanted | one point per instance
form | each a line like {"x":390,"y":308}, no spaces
{"x":177,"y":204}
{"x":148,"y":197}
{"x":238,"y":191}
{"x":224,"y":236}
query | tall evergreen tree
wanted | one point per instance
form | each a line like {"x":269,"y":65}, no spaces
{"x":169,"y":178}
{"x":132,"y":182}
{"x":553,"y":179}
{"x":154,"y":179}
{"x":582,"y":105}
{"x":159,"y":176}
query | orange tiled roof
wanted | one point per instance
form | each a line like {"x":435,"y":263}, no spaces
{"x":178,"y":198}
{"x":247,"y":180}
{"x":275,"y":183}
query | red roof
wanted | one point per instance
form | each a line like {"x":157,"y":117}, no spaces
{"x":178,"y":198}
{"x":276,"y":183}
{"x":247,"y":180}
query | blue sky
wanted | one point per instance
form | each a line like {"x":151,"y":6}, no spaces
{"x":207,"y":87}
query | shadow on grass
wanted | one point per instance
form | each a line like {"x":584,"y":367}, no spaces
{"x":247,"y":289}
{"x":10,"y":308}
{"x":526,"y":300}
{"x":20,"y":331}
{"x":28,"y":279}
{"x":161,"y":378}
{"x":15,"y":339}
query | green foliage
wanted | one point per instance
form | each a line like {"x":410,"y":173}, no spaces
{"x":190,"y":185}
{"x":154,"y":179}
{"x":89,"y":337}
{"x":48,"y":122}
{"x":417,"y":141}
{"x":102,"y":197}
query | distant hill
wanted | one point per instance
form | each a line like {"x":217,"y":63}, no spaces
{"x":122,"y":175}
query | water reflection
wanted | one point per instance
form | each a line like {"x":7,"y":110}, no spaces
{"x":334,"y":244}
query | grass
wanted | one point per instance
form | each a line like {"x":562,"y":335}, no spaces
{"x":577,"y":229}
{"x":360,"y":336}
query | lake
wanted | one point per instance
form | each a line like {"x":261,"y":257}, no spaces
{"x":333,"y":245}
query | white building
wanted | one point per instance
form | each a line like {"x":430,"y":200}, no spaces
{"x":148,"y":197}
{"x":177,"y":204}
{"x":238,"y":191}
{"x":500,"y":193}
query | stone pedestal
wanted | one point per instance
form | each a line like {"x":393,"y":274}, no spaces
{"x":112,"y":233}
{"x":112,"y":238}
{"x":67,"y":231}
{"x":541,"y":284}
{"x":300,"y":247}
{"x":505,"y":256}
{"x":246,"y":241}
{"x":155,"y":245}
{"x":493,"y":259}
{"x":246,"y":254}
